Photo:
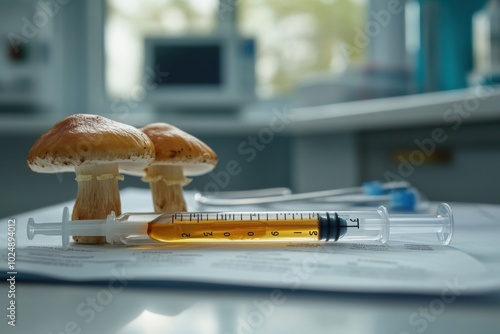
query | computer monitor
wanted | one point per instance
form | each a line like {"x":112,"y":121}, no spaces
{"x":204,"y":72}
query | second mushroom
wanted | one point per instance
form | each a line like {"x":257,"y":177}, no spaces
{"x":178,"y":154}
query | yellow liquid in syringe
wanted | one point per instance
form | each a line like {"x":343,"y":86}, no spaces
{"x":224,"y":227}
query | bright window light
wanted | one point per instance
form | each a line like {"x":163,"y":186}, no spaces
{"x":295,"y":39}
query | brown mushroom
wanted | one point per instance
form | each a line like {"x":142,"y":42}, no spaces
{"x":96,"y":149}
{"x":178,"y":154}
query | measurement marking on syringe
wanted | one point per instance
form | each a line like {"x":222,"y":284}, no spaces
{"x":355,"y":220}
{"x":297,"y":232}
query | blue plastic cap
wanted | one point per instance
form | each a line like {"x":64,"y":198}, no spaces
{"x":374,"y":188}
{"x":404,"y":200}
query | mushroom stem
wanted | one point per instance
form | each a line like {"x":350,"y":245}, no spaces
{"x":166,"y":185}
{"x":97,"y":196}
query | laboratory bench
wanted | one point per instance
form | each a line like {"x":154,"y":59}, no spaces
{"x":475,"y":104}
{"x":460,"y":300}
{"x":68,"y":308}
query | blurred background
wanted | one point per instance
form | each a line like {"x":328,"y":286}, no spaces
{"x":309,"y":95}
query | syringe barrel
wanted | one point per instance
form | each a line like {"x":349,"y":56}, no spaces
{"x":129,"y":229}
{"x":372,"y":225}
{"x":301,"y":226}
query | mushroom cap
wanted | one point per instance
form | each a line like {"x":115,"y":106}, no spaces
{"x":85,"y":140}
{"x":175,"y":147}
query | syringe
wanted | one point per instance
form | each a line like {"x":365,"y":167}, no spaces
{"x":236,"y":227}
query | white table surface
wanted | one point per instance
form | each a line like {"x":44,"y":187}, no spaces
{"x":72,"y":308}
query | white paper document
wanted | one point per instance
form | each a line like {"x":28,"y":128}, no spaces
{"x":392,"y":268}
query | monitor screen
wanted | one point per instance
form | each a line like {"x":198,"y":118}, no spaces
{"x":189,"y":65}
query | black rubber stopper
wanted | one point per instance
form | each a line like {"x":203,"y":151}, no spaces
{"x":331,"y":226}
